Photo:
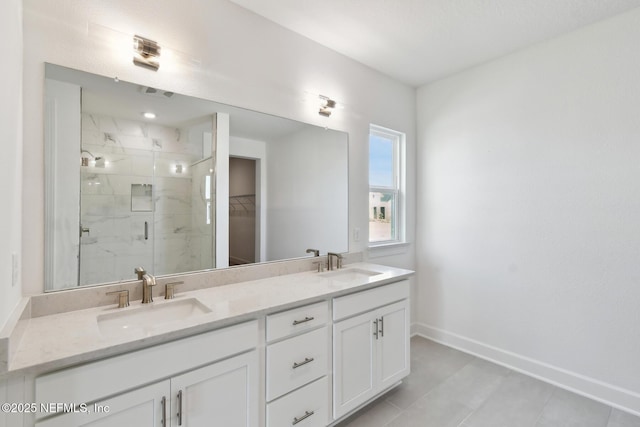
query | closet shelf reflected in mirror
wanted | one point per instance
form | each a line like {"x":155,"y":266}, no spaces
{"x":242,"y":205}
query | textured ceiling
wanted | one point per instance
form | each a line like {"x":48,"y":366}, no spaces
{"x":419,"y":41}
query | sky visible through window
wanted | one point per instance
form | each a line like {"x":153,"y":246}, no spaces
{"x":380,"y":161}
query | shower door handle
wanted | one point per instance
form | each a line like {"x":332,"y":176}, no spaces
{"x":146,"y":230}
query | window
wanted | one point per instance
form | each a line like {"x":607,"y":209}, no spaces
{"x":386,"y":181}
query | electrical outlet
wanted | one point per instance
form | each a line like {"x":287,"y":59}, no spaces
{"x":356,"y":234}
{"x":15,"y":268}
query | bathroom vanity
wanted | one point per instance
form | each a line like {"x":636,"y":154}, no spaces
{"x":303,"y":349}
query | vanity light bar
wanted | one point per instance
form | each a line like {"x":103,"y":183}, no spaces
{"x":146,"y":53}
{"x":327,"y":106}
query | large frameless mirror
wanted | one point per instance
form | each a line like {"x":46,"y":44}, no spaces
{"x":139,"y":176}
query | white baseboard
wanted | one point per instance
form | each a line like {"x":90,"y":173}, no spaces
{"x":626,"y":400}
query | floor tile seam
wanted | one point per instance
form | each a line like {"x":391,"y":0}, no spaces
{"x":462,"y":423}
{"x":545,"y":405}
{"x":414,"y":403}
{"x":448,"y":377}
{"x":609,"y":417}
{"x":394,"y":418}
{"x":487,"y":399}
{"x":386,"y":400}
{"x":424,"y":396}
{"x":436,"y":385}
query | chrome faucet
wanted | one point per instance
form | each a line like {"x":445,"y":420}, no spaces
{"x":330,"y":256}
{"x":148,"y":282}
{"x":315,"y":252}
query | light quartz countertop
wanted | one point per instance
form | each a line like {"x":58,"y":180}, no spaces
{"x":65,"y":339}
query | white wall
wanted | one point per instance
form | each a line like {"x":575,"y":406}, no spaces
{"x":529,"y":210}
{"x":306,"y":195}
{"x":62,"y":213}
{"x":246,"y":60}
{"x":11,"y":159}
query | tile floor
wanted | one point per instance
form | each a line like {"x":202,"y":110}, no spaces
{"x":449,"y":388}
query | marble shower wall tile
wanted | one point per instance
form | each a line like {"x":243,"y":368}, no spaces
{"x":135,"y":153}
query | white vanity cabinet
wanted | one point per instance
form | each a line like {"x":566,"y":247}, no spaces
{"x":298,"y":363}
{"x":142,"y":407}
{"x":304,"y":366}
{"x":221,"y":394}
{"x":370,"y":344}
{"x":204,"y":380}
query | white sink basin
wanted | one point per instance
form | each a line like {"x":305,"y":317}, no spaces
{"x":349,"y":274}
{"x":145,"y":319}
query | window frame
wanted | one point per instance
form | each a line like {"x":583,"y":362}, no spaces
{"x":398,"y":188}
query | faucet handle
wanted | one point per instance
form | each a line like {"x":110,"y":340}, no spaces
{"x":330,"y":256}
{"x":169,"y":289}
{"x":140,"y":272}
{"x":123,"y":297}
{"x":320,"y":265}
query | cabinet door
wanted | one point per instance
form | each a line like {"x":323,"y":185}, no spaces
{"x":143,"y":407}
{"x":353,"y":363}
{"x":393,"y":344}
{"x":221,"y":394}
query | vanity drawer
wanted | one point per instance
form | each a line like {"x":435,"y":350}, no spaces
{"x":295,"y":362}
{"x":290,"y":322}
{"x":359,"y":302}
{"x":306,"y":407}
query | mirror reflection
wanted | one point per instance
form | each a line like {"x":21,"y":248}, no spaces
{"x":138,"y":176}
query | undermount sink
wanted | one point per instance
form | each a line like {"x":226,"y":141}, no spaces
{"x":349,"y":274}
{"x":147,"y":318}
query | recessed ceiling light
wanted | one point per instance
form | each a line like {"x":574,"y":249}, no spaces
{"x":149,"y":115}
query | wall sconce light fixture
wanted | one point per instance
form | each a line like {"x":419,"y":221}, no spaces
{"x":146,"y":53}
{"x":327,"y":106}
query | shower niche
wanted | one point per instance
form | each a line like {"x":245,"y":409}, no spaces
{"x":141,"y":198}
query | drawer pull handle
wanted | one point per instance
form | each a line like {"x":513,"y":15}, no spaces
{"x":164,"y":411}
{"x":179,"y":414}
{"x":304,"y":362}
{"x":381,"y":324}
{"x":305,"y":320}
{"x":306,"y":415}
{"x":375,"y":328}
